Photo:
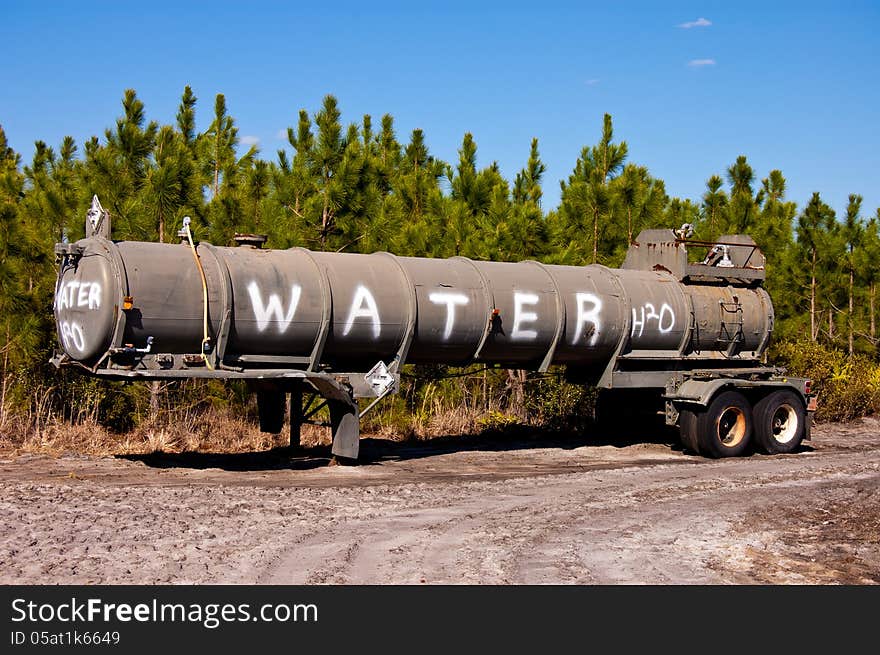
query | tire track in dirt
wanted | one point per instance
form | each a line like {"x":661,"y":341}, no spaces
{"x":603,"y":514}
{"x":630,"y":526}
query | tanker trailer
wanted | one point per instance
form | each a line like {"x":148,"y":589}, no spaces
{"x":334,"y":329}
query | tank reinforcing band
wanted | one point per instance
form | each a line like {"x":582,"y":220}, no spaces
{"x":544,"y":366}
{"x":490,"y":303}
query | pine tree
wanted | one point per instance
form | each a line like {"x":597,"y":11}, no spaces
{"x":814,"y":225}
{"x":634,"y":191}
{"x":11,"y":192}
{"x":225,"y":175}
{"x":53,"y":191}
{"x":329,"y":150}
{"x":772,"y":227}
{"x":25,"y":271}
{"x":132,"y":142}
{"x":714,"y":206}
{"x":162,"y":192}
{"x":527,"y":185}
{"x":587,"y":195}
{"x":389,"y":153}
{"x":742,"y":207}
{"x":679,"y":212}
{"x":853,"y":232}
{"x":257,"y":184}
{"x":469,"y":187}
{"x":297,"y":182}
{"x":418,"y":184}
{"x":186,"y":151}
{"x":186,"y":117}
{"x":219,"y":142}
{"x":866,"y":260}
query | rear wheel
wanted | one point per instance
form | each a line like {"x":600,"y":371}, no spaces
{"x":687,"y":427}
{"x":780,"y":422}
{"x":723,"y":429}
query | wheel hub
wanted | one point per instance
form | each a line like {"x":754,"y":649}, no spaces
{"x":785,"y":423}
{"x":732,"y":426}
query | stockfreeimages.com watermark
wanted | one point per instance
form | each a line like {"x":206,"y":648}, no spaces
{"x":208,"y":615}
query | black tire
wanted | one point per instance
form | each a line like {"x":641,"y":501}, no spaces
{"x":687,"y":429}
{"x":780,"y":422}
{"x":724,"y":429}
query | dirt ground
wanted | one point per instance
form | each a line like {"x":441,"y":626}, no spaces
{"x":471,"y":510}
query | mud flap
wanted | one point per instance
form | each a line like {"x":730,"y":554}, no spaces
{"x":344,"y":425}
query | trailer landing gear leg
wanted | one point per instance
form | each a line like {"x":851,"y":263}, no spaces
{"x":345,"y":429}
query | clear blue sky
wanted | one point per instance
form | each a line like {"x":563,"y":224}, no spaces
{"x":793,"y":86}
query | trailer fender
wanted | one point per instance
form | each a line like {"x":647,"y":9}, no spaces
{"x":699,"y":392}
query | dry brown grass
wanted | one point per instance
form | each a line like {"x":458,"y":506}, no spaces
{"x":219,"y":432}
{"x":193,"y":416}
{"x":435,"y":417}
{"x":192,"y":426}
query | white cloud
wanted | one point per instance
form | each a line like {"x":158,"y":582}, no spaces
{"x":249,"y":140}
{"x":697,"y":63}
{"x":700,"y":22}
{"x":592,"y":82}
{"x":281,"y":134}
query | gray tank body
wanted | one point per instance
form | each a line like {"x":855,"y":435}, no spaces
{"x":270,"y":308}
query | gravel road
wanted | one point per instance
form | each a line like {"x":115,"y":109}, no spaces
{"x":472,"y":510}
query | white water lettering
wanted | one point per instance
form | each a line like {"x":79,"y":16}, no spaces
{"x":665,"y":318}
{"x":272,"y":311}
{"x":589,"y":308}
{"x":363,"y":306}
{"x":451,"y":300}
{"x":78,"y":294}
{"x":521,"y":300}
{"x":72,"y":336}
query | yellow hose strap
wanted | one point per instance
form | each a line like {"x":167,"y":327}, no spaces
{"x":207,"y":337}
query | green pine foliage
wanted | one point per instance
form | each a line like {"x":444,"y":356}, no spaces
{"x":361,"y":187}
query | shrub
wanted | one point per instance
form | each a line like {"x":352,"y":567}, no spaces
{"x":560,"y":405}
{"x":848,"y":386}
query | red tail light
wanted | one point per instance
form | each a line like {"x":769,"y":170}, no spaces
{"x":807,"y":385}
